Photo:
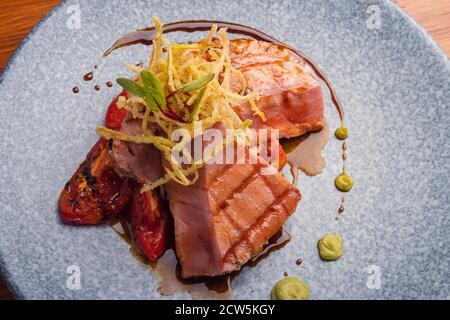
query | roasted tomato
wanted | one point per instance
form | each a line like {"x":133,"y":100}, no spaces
{"x":282,"y":158}
{"x":281,"y":154}
{"x":115,"y":115}
{"x":95,"y":192}
{"x":150,"y":223}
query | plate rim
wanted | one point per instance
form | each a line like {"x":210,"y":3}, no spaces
{"x":422,"y":33}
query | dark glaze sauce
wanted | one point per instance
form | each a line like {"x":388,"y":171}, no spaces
{"x":88,"y":76}
{"x":97,"y":88}
{"x":305,"y":152}
{"x":344,"y":155}
{"x":168,"y":270}
{"x":298,"y":262}
{"x":75,"y":90}
{"x":341,"y":208}
{"x":109,"y":84}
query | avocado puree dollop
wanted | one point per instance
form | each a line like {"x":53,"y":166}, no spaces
{"x":341,"y":133}
{"x":330,"y":247}
{"x":290,"y":289}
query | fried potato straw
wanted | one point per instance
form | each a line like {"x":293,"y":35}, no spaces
{"x":195,"y":80}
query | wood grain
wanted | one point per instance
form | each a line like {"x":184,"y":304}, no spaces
{"x":18,"y":18}
{"x":434,"y":16}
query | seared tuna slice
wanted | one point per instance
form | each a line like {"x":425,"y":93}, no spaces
{"x":228,"y":215}
{"x":141,"y":162}
{"x":291,"y":97}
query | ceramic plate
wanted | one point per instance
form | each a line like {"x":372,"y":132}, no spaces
{"x":394,"y":83}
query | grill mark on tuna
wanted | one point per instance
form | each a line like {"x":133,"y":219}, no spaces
{"x":219,"y":174}
{"x":249,"y":179}
{"x":254,"y":174}
{"x":250,"y":65}
{"x":269,"y":187}
{"x":272,"y":190}
{"x":258,"y":224}
{"x":270,"y":208}
{"x":233,"y":222}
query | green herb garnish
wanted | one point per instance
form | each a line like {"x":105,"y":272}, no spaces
{"x":132,"y":87}
{"x":152,"y":84}
{"x":197,"y":84}
{"x":152,"y":96}
{"x":197,"y":105}
{"x":150,"y":100}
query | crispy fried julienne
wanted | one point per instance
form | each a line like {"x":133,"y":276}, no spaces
{"x":182,"y":83}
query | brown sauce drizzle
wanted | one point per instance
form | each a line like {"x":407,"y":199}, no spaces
{"x":341,"y":208}
{"x":75,"y":90}
{"x":168,"y":270}
{"x":305,"y":152}
{"x":298,"y":262}
{"x":88,"y":76}
{"x":344,"y":155}
{"x":109,"y":84}
{"x":97,"y":88}
{"x":277,"y":242}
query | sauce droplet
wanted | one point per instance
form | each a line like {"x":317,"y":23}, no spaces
{"x":75,"y":90}
{"x":341,"y":208}
{"x":97,"y":88}
{"x":299,"y":262}
{"x":109,"y":84}
{"x":286,"y":274}
{"x":88,"y":76}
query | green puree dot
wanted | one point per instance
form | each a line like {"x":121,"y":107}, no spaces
{"x":343,"y":182}
{"x":330,"y":247}
{"x":290,"y":289}
{"x":341,"y":133}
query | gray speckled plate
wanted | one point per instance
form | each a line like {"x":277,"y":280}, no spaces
{"x":392,"y":78}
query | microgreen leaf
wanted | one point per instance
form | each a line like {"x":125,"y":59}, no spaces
{"x":197,"y":84}
{"x":160,"y":99}
{"x":196,"y":109}
{"x":152,"y":83}
{"x":132,"y":87}
{"x":151,"y":102}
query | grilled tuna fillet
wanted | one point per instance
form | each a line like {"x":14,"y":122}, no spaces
{"x":228,"y":215}
{"x":141,"y":162}
{"x":291,"y":98}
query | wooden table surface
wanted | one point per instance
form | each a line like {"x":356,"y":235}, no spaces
{"x":18,"y":17}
